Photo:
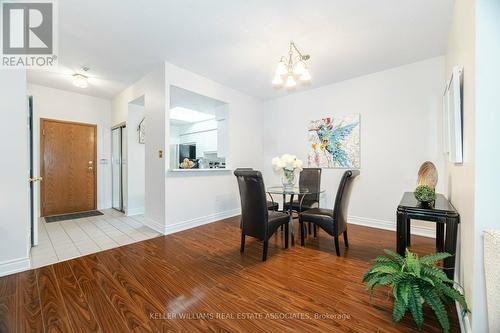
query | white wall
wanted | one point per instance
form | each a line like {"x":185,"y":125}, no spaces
{"x":58,"y":104}
{"x":194,"y":198}
{"x":152,"y":86}
{"x":399,"y":110}
{"x":460,"y":186}
{"x":14,"y":218}
{"x":136,"y":162}
{"x":486,"y":146}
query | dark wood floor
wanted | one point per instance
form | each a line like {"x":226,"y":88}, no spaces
{"x":197,"y":280}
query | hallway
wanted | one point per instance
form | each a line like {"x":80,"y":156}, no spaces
{"x":59,"y":241}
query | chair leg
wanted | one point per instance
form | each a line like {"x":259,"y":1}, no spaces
{"x":309,"y":227}
{"x":286,"y":235}
{"x":302,"y":232}
{"x":242,"y":246}
{"x":315,"y":233}
{"x":337,"y":246}
{"x":346,"y":241}
{"x":264,"y":251}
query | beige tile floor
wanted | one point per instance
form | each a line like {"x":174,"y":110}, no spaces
{"x":59,"y":241}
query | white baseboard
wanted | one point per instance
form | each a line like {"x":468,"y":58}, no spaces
{"x":188,"y":224}
{"x":390,"y":225}
{"x":135,"y":211}
{"x":156,"y":226}
{"x":14,"y":266}
{"x":463,"y":319}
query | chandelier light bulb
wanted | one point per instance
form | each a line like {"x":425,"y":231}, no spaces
{"x":278,"y":80}
{"x":306,"y":76}
{"x":299,"y":68}
{"x":290,"y":82}
{"x":281,"y":69}
{"x":292,"y":69}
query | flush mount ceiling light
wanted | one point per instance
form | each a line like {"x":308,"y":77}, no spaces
{"x":292,"y":69}
{"x":81,"y":80}
{"x":188,"y":115}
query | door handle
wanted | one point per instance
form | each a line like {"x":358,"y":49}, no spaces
{"x":35,"y":179}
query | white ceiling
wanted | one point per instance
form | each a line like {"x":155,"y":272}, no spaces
{"x":238,"y":43}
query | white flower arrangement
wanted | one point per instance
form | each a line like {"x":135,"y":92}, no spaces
{"x":287,"y":162}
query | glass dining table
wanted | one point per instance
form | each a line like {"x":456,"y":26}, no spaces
{"x":300,"y":192}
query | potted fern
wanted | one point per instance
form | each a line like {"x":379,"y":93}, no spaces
{"x":415,"y":281}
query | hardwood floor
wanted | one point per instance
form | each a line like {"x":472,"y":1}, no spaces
{"x":197,"y":280}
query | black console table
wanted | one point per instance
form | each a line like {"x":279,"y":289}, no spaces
{"x":442,"y":213}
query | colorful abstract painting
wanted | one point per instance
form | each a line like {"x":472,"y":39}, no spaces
{"x":334,"y":142}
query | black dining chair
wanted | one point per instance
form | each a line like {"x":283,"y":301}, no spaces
{"x":309,"y":178}
{"x":256,"y":220}
{"x":271,"y":204}
{"x":333,"y":221}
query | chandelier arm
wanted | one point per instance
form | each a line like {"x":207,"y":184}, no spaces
{"x":302,"y":56}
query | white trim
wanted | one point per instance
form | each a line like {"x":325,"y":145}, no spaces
{"x":158,"y":227}
{"x":391,"y":225}
{"x":14,"y":266}
{"x":463,"y":319}
{"x":188,"y":224}
{"x":135,"y":211}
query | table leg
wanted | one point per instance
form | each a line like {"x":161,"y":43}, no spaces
{"x":440,"y":236}
{"x":292,"y":232}
{"x":450,"y":246}
{"x":284,"y":200}
{"x":408,"y":232}
{"x":401,"y":230}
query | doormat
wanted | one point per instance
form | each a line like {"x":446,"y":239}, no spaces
{"x":73,"y":216}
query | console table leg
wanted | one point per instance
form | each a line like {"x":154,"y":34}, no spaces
{"x":451,"y":246}
{"x":408,"y":232}
{"x":401,"y":231}
{"x":440,"y":236}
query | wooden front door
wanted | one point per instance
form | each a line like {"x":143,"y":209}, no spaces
{"x":67,"y":166}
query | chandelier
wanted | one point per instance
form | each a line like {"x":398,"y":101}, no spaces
{"x":292,"y":68}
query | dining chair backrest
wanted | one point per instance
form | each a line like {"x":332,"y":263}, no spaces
{"x":310,"y":178}
{"x":342,"y":198}
{"x":254,"y":214}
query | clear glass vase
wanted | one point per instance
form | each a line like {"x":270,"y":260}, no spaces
{"x":288,"y":180}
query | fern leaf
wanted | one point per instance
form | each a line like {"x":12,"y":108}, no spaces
{"x":381,"y":259}
{"x":399,"y":310}
{"x":415,"y":305}
{"x":385,"y":280}
{"x":403,"y":291}
{"x":437,"y":306}
{"x":398,"y":277}
{"x":370,"y":276}
{"x":399,"y":259}
{"x":375,"y":280}
{"x":434,"y":274}
{"x":432,"y":258}
{"x":385,"y":269}
{"x":428,"y":280}
{"x":454,"y":294}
